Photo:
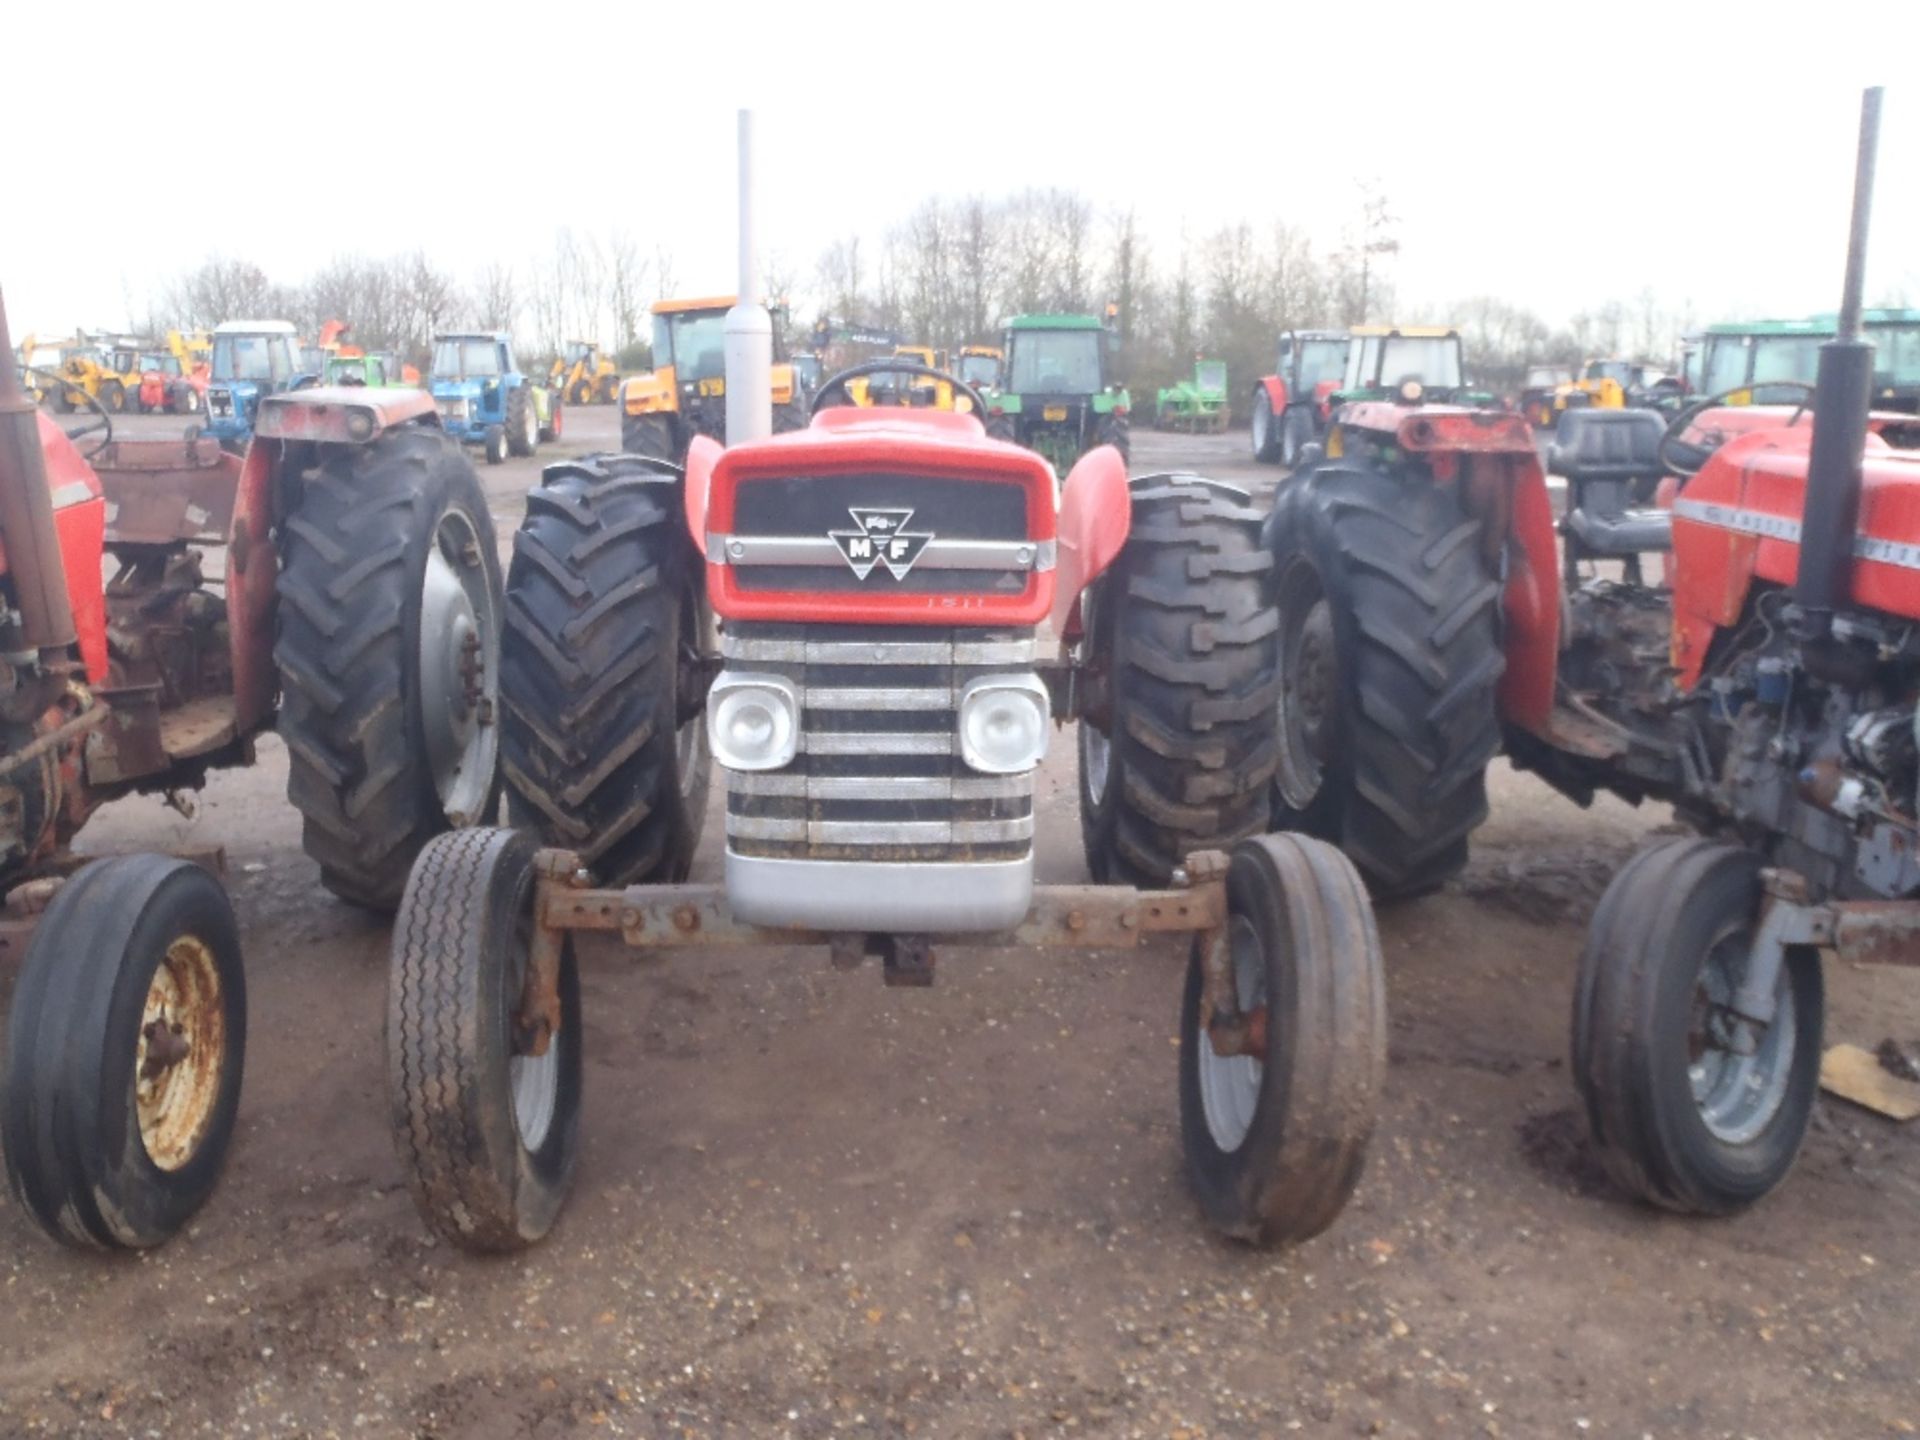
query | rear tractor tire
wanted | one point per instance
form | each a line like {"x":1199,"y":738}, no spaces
{"x":1680,"y":1118}
{"x":649,"y":436}
{"x":1276,"y":1136}
{"x":1389,"y":658}
{"x":605,"y":740}
{"x":1266,"y":429}
{"x":488,"y":1133}
{"x":1179,"y":754}
{"x":388,"y":655}
{"x":125,"y":1047}
{"x":522,"y":422}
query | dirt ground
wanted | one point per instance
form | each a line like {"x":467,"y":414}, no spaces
{"x":809,"y":1205}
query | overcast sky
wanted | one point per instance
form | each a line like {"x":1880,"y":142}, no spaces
{"x":1556,"y":155}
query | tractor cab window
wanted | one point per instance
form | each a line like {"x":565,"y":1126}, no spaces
{"x":266,"y":358}
{"x":1725,"y":365}
{"x":468,"y":358}
{"x":1054,"y":362}
{"x":979,"y":370}
{"x":1543,"y":377}
{"x":1617,"y":371}
{"x":577,"y":351}
{"x":164,"y":364}
{"x":1321,"y":362}
{"x":1896,"y":359}
{"x":694,"y":344}
{"x":1787,"y":357}
{"x":1391,"y":360}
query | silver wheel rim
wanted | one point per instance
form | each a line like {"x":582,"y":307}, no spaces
{"x":1096,"y":759}
{"x":532,"y":427}
{"x":1309,"y":686}
{"x":1262,"y":419}
{"x":1230,"y":1084}
{"x":533,"y":1080}
{"x":1737,"y":1096}
{"x":459,"y":667}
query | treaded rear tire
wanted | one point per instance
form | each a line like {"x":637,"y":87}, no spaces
{"x":600,"y":593}
{"x":460,"y":945}
{"x":352,"y":561}
{"x":69,"y":1122}
{"x":1412,"y":722}
{"x":518,"y":424}
{"x":650,"y":436}
{"x":1182,"y":631}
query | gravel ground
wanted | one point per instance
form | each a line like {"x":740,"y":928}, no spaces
{"x":809,"y":1205}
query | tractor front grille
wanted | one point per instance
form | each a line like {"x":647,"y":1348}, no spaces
{"x":879,"y":775}
{"x":811,"y":534}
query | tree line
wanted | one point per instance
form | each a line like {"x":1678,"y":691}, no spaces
{"x":947,"y":274}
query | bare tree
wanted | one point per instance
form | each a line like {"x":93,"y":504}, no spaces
{"x":1370,"y":239}
{"x":496,"y":301}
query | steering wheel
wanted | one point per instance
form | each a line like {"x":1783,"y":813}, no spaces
{"x":838,"y":381}
{"x":1685,"y":460}
{"x":101,"y":426}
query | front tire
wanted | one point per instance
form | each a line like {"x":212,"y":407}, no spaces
{"x":125,"y":1048}
{"x":1678,"y":1117}
{"x":649,"y":436}
{"x":1266,"y":436}
{"x":582,"y":392}
{"x":1179,"y":639}
{"x":1290,"y":439}
{"x":1389,"y":659}
{"x":605,"y":734}
{"x":389,"y":658}
{"x":489,"y":1136}
{"x":1115,"y":431}
{"x":1275,"y":1140}
{"x":113,"y":398}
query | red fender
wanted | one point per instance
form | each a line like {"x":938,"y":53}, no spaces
{"x":1096,"y":512}
{"x":254,"y":566}
{"x":1276,"y":392}
{"x":702,"y":455}
{"x":80,"y":528}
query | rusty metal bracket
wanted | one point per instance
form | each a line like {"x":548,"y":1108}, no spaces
{"x":537,"y":1018}
{"x":1088,"y":917}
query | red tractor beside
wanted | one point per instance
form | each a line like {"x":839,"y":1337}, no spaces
{"x":1290,"y":407}
{"x":868,"y":626}
{"x":161,"y":603}
{"x":1766,"y":685}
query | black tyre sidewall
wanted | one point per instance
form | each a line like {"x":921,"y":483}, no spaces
{"x":1099,"y":819}
{"x":650,"y":435}
{"x":73,"y":1043}
{"x":519,"y":410}
{"x":1270,"y":452}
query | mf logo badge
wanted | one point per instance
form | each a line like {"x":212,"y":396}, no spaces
{"x":881,"y":539}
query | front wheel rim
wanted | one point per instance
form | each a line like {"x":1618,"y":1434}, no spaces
{"x":181,"y":1053}
{"x":1309,"y":686}
{"x":1737,"y":1096}
{"x":1096,"y":762}
{"x":533,"y":1081}
{"x":459,"y":665}
{"x":1230,"y":1084}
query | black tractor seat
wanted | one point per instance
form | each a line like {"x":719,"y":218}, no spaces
{"x":1611,"y":462}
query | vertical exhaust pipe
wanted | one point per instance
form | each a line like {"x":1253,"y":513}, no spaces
{"x":26,"y":519}
{"x":1842,"y":394}
{"x":749,"y":328}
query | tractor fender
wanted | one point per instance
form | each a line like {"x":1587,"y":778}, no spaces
{"x":702,"y":455}
{"x":1096,"y":513}
{"x":1276,"y":389}
{"x":254,"y":568}
{"x":80,"y":531}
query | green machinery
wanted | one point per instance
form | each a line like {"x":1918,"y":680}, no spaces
{"x":1059,"y":396}
{"x":1197,"y":404}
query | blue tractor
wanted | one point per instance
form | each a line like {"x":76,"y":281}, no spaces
{"x":484,"y":399}
{"x":252,"y":359}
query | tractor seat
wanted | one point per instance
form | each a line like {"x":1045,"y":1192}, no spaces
{"x":1611,"y":462}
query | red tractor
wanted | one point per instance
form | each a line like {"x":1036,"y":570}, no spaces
{"x":1766,"y":685}
{"x":161,"y":603}
{"x":1290,"y":406}
{"x":868,"y":624}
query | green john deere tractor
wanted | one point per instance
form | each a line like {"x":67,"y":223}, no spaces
{"x":1059,"y":396}
{"x":1195,"y":405}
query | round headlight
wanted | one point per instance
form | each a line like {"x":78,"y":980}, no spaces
{"x":359,"y":424}
{"x":1411,"y":391}
{"x":753,"y":722}
{"x":1003,"y":725}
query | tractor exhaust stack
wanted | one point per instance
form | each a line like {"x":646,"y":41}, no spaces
{"x":1842,"y":394}
{"x":749,"y":328}
{"x":26,"y":518}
